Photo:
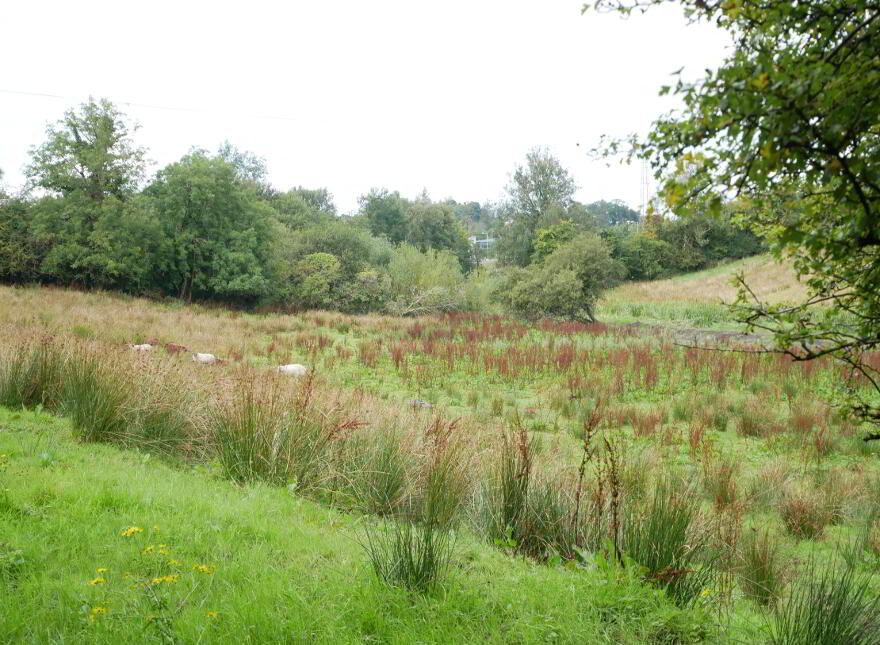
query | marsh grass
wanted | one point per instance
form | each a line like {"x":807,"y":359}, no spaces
{"x":408,"y":555}
{"x":31,"y":374}
{"x":375,"y":472}
{"x":663,"y":537}
{"x":805,"y":511}
{"x":95,"y":397}
{"x":834,"y":605}
{"x":415,"y":550}
{"x":760,"y":571}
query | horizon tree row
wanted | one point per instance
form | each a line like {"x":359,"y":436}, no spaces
{"x":211,"y":227}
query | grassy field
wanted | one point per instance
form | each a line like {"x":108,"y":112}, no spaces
{"x":699,"y":299}
{"x":560,"y":482}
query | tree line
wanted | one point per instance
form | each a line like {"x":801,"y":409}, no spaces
{"x":210,"y":227}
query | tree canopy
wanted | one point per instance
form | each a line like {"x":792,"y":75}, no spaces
{"x":89,"y":150}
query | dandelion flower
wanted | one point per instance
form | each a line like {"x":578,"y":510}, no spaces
{"x":203,"y":568}
{"x":101,"y":570}
{"x":212,"y":614}
{"x":99,"y":610}
{"x":148,"y":548}
{"x":97,"y":581}
{"x":174,"y":563}
{"x":131,"y":530}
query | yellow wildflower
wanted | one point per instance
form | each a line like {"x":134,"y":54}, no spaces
{"x":101,"y":570}
{"x":174,"y":563}
{"x":156,"y":529}
{"x":99,"y":610}
{"x":148,"y":548}
{"x":212,"y":614}
{"x":171,"y":578}
{"x":203,"y":568}
{"x":131,"y":530}
{"x":97,"y":581}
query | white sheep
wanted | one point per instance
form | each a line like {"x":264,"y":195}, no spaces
{"x":145,"y":347}
{"x":294,"y":369}
{"x":204,"y":359}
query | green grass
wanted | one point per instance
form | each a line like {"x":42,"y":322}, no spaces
{"x":216,"y":562}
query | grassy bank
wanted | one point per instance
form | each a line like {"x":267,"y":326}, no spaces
{"x":101,"y":545}
{"x":699,"y":299}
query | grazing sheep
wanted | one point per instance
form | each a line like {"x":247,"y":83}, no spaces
{"x":172,"y":348}
{"x":204,"y":359}
{"x":294,"y":369}
{"x":144,"y":347}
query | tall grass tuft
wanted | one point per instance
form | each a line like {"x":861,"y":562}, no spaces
{"x":409,"y":555}
{"x":761,"y":570}
{"x":375,"y":472}
{"x":265,"y":433}
{"x":804,"y":512}
{"x":31,"y":375}
{"x":415,"y":552}
{"x":832,"y":607}
{"x":661,"y":536}
{"x":96,"y":394}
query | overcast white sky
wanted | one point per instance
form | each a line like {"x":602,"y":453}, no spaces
{"x":353,"y":94}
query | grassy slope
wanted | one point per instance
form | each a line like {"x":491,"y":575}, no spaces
{"x":698,"y":299}
{"x":281,"y":569}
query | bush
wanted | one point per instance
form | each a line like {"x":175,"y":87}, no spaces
{"x":567,"y":284}
{"x":424,"y":283}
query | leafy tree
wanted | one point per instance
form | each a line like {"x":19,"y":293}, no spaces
{"x":386,"y":214}
{"x":789,"y":123}
{"x":318,"y":199}
{"x":89,"y":150}
{"x":21,"y":252}
{"x":548,"y":240}
{"x":536,"y":187}
{"x":316,"y":275}
{"x":613,"y":213}
{"x":433,"y":225}
{"x":296,"y":212}
{"x":218,"y":232}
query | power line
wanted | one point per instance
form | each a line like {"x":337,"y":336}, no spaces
{"x":149,"y":106}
